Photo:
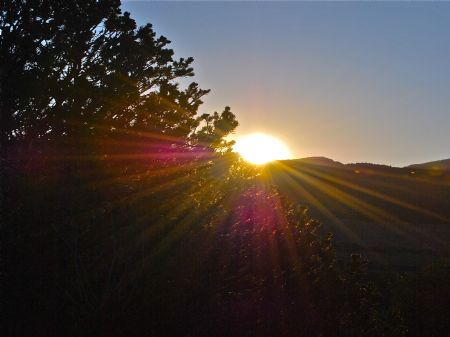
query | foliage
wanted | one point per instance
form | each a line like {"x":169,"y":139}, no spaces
{"x":82,"y":71}
{"x":423,"y":300}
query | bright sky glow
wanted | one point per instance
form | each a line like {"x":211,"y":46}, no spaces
{"x":352,"y":81}
{"x":259,"y":148}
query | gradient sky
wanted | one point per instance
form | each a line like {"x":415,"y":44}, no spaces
{"x":356,"y":82}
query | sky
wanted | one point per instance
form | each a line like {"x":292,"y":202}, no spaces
{"x":352,"y":81}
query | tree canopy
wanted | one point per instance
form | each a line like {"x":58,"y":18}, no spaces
{"x":83,"y":70}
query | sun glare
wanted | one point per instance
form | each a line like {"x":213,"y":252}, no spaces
{"x":259,"y":148}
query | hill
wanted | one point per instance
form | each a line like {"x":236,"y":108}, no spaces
{"x":399,"y":217}
{"x":324,"y":161}
{"x":438,"y":165}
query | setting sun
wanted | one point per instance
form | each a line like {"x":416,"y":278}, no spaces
{"x":259,"y":148}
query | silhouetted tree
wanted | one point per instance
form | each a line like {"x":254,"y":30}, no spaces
{"x":91,"y":110}
{"x":82,"y":70}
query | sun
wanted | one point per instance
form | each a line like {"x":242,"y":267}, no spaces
{"x":259,"y":148}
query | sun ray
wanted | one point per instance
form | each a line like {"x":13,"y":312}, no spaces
{"x":375,"y":194}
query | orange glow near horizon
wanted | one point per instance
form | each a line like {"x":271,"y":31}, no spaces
{"x":260,"y":148}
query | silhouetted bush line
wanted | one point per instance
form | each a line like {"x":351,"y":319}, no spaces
{"x":98,"y":261}
{"x":85,"y":267}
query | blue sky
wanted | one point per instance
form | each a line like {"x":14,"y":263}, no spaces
{"x":353,"y":81}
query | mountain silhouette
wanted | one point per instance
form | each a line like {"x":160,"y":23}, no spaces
{"x":443,"y":164}
{"x":317,"y":161}
{"x":438,"y":165}
{"x":396,"y":215}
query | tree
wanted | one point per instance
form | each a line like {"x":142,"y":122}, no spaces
{"x":84,"y":70}
{"x":95,"y":132}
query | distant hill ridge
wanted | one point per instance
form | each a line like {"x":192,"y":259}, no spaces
{"x":397,"y":216}
{"x":433,"y":165}
{"x":317,"y":161}
{"x":443,"y":164}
